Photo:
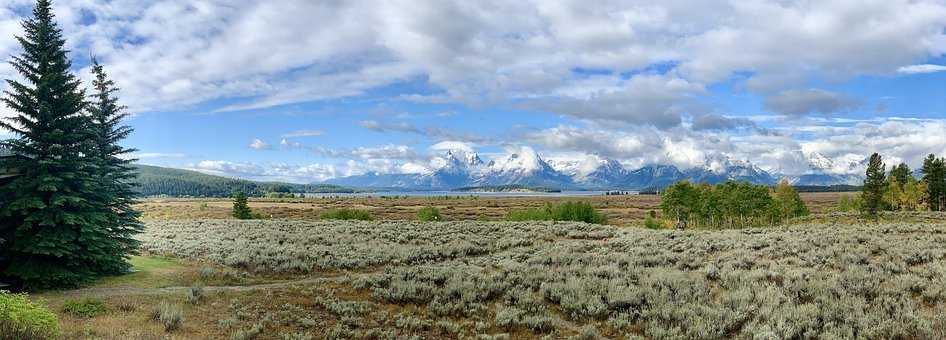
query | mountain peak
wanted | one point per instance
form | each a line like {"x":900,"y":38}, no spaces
{"x":523,"y":166}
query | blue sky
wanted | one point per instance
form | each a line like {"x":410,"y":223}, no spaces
{"x":305,"y":91}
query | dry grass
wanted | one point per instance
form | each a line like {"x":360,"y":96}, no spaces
{"x":620,"y":210}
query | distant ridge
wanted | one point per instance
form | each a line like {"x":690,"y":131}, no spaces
{"x":158,"y":181}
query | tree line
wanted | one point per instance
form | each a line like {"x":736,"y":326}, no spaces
{"x":730,"y":204}
{"x":158,"y":181}
{"x":900,"y":190}
{"x":67,"y":218}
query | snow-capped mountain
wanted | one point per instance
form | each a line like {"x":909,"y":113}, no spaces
{"x":823,"y":171}
{"x":524,"y":167}
{"x":592,"y":172}
{"x":458,"y":168}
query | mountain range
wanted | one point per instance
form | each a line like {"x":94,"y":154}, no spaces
{"x":458,"y":169}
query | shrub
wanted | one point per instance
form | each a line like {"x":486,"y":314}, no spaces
{"x":207,"y":272}
{"x":429,"y":214}
{"x":171,"y":316}
{"x":578,"y":212}
{"x":85,"y":308}
{"x":347,"y":214}
{"x":652,"y":223}
{"x":195,"y":293}
{"x":22,"y":319}
{"x":248,"y":334}
{"x":568,"y":211}
{"x":126,"y":306}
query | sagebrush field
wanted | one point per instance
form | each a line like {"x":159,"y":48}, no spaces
{"x":284,"y":279}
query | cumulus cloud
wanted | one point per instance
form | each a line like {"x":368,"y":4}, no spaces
{"x":174,"y":53}
{"x":269,"y":172}
{"x":453,"y":145}
{"x":648,"y":71}
{"x":718,"y":122}
{"x":647,"y":99}
{"x":809,"y":101}
{"x":433,"y":132}
{"x":219,"y":167}
{"x":259,"y":144}
{"x":924,"y":68}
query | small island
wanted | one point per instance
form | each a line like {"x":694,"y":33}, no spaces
{"x":506,"y":188}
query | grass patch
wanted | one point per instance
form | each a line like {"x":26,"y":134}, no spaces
{"x":149,"y":272}
{"x":429,"y":214}
{"x":85,"y":308}
{"x":346,"y":214}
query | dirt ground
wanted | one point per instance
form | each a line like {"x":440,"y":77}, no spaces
{"x":621,"y":210}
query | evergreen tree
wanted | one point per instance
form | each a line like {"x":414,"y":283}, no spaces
{"x":115,"y":174}
{"x":53,"y":230}
{"x":934,"y":174}
{"x":241,"y":209}
{"x":874,"y":186}
{"x":902,"y":174}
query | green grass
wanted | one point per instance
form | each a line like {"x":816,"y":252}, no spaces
{"x":534,"y":214}
{"x":149,"y":272}
{"x":346,"y":214}
{"x":568,"y":211}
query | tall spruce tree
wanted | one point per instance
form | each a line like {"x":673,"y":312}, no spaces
{"x":934,"y":174}
{"x":874,"y":186}
{"x":53,"y":228}
{"x":113,"y":170}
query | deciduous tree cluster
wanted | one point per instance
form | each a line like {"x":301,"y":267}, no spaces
{"x":730,"y":204}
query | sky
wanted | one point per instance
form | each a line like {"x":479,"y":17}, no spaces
{"x":305,"y":91}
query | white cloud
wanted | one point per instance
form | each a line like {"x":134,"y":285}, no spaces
{"x":924,"y":68}
{"x":268,"y":172}
{"x":259,"y":144}
{"x":781,"y":152}
{"x":453,"y":145}
{"x":303,"y":133}
{"x":174,"y":53}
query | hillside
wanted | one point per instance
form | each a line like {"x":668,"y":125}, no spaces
{"x":156,"y":181}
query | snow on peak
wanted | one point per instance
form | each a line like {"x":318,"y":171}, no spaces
{"x":847,"y":164}
{"x":523,"y":159}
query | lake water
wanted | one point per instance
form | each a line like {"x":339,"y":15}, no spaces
{"x":457,"y":193}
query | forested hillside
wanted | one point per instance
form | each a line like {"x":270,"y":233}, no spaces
{"x":155,"y":181}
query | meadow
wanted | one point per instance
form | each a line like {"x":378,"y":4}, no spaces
{"x":620,"y":210}
{"x":291,"y":279}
